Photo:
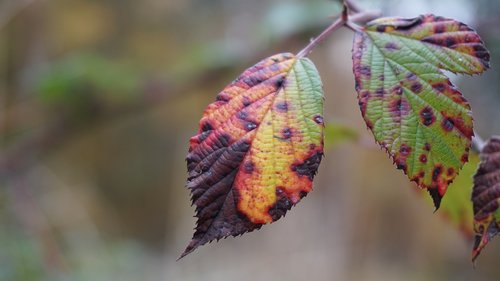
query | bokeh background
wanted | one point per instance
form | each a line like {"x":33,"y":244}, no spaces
{"x":99,"y":98}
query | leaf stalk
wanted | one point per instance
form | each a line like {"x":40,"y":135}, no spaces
{"x":343,"y":20}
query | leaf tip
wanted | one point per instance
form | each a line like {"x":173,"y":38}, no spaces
{"x":193,"y":245}
{"x":436,"y":198}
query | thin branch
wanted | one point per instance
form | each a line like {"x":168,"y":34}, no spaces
{"x":334,"y":26}
{"x":359,"y":17}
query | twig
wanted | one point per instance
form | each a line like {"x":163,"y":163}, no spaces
{"x":358,"y":17}
{"x":334,"y":26}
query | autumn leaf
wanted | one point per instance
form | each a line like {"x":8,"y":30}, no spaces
{"x":486,"y":196}
{"x":415,"y":113}
{"x":257,"y":150}
{"x":456,"y":206}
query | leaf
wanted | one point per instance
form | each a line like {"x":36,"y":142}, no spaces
{"x":486,"y":196}
{"x":456,"y":207}
{"x":415,"y":113}
{"x":257,"y":150}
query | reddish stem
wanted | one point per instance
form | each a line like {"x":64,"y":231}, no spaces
{"x":361,"y":17}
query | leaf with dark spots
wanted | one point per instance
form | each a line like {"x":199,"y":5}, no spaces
{"x":416,"y":103}
{"x":456,"y":206}
{"x":486,"y":196}
{"x":309,"y":166}
{"x":238,"y":170}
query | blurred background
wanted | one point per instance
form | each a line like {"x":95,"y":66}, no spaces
{"x":99,"y":98}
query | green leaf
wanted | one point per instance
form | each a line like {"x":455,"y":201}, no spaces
{"x":486,"y":196}
{"x":412,"y":108}
{"x":257,"y":150}
{"x":456,"y":207}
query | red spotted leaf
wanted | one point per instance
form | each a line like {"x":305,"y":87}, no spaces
{"x":257,"y":150}
{"x":486,"y":196}
{"x":415,"y":113}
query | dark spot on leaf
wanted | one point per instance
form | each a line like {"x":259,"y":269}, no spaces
{"x":365,"y":70}
{"x":309,"y":167}
{"x":318,"y":119}
{"x":286,"y":133}
{"x":483,"y":54}
{"x":391,"y":46}
{"x":439,"y":28}
{"x":447,"y":124}
{"x":274,"y":67}
{"x":279,"y":82}
{"x":464,"y":27}
{"x":409,"y":23}
{"x":399,"y":108}
{"x":204,"y":135}
{"x":252,"y":81}
{"x":458,"y":123}
{"x":222,"y":97}
{"x":464,"y":158}
{"x":436,"y":172}
{"x":302,"y":194}
{"x":190,"y":158}
{"x":282,"y":106}
{"x":416,"y":87}
{"x":246,"y":101}
{"x":242,"y":115}
{"x":379,"y":92}
{"x":362,"y":106}
{"x":381,"y":28}
{"x":427,"y":116}
{"x":206,"y":127}
{"x":242,"y":146}
{"x":405,"y":150}
{"x":369,"y":124}
{"x":312,"y":146}
{"x":381,"y":77}
{"x":282,"y":205}
{"x":357,"y":84}
{"x":250,"y":126}
{"x":401,"y":166}
{"x":450,"y":171}
{"x":440,"y":87}
{"x":449,"y":42}
{"x":411,"y":76}
{"x":249,"y":167}
{"x":416,"y":180}
{"x":398,"y":90}
{"x":423,"y":158}
{"x":427,"y":146}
